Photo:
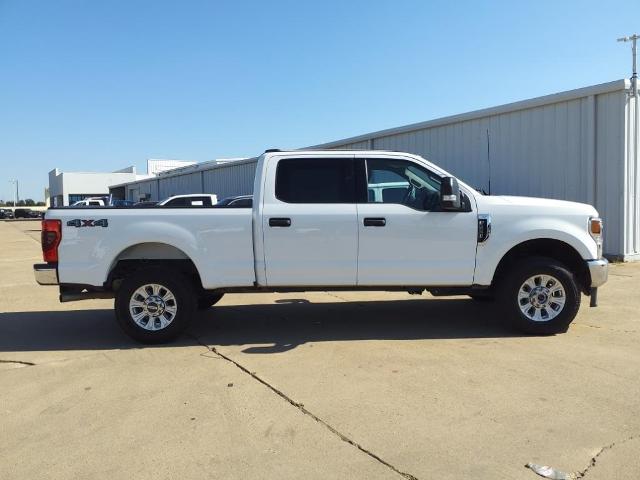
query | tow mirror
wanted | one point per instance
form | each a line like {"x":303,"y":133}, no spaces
{"x":449,"y":194}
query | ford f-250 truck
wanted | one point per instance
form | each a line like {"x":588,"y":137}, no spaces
{"x":331,"y":220}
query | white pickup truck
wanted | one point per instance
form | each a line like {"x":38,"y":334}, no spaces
{"x":331,"y":220}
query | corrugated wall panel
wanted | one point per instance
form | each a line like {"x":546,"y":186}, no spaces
{"x":181,"y":184}
{"x":230,"y":180}
{"x":137,"y":190}
{"x":356,"y":146}
{"x":609,"y":169}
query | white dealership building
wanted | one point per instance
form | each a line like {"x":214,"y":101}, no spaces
{"x":578,"y":145}
{"x":66,"y":188}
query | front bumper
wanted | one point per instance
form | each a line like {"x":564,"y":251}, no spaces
{"x":46,"y":274}
{"x":599,"y":271}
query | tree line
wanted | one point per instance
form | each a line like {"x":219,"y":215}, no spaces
{"x":22,"y":203}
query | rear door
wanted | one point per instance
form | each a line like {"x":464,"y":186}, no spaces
{"x":404,"y":236}
{"x":309,"y":221}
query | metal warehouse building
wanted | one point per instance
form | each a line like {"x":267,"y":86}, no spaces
{"x":224,"y":178}
{"x":577,"y":145}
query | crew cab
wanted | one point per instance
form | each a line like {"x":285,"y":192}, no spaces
{"x":324,"y":220}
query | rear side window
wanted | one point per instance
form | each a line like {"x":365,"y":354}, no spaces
{"x":177,"y":202}
{"x":316,"y":180}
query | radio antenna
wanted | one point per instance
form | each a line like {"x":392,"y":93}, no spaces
{"x":489,"y":159}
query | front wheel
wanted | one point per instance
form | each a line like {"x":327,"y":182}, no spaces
{"x":154,"y":305}
{"x":540,"y":296}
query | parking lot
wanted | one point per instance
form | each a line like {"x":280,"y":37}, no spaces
{"x":317,"y":385}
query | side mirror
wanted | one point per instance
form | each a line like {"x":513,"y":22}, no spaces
{"x":449,"y":194}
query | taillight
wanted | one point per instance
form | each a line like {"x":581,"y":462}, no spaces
{"x":51,"y":236}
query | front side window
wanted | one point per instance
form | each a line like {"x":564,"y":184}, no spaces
{"x":316,"y":180}
{"x":400,"y":181}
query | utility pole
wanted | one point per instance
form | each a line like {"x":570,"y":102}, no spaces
{"x":633,"y":171}
{"x":634,"y":77}
{"x":15,"y":192}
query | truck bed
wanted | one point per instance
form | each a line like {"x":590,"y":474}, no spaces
{"x":218,"y":240}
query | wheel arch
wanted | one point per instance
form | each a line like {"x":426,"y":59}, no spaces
{"x":148,"y":255}
{"x":546,"y":247}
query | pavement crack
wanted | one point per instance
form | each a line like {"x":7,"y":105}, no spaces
{"x":594,"y":459}
{"x":19,"y":362}
{"x":336,"y":296}
{"x":359,"y":304}
{"x":306,"y":412}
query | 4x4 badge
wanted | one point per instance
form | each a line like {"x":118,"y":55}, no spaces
{"x":88,"y":223}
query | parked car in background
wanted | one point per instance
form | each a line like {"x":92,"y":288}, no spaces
{"x":145,"y":204}
{"x":26,"y":213}
{"x":241,"y":201}
{"x":5,"y":214}
{"x":122,"y":203}
{"x":190,"y":200}
{"x":92,"y":202}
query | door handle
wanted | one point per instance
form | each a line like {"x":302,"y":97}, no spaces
{"x":279,"y":222}
{"x":375,"y":222}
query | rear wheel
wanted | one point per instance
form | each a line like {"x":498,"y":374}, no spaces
{"x":154,"y":305}
{"x":540,"y":296}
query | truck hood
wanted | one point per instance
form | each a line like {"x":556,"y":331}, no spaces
{"x":539,"y":206}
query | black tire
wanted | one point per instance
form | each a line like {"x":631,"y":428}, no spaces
{"x":529,"y":268}
{"x":208,"y":300}
{"x":184,"y":302}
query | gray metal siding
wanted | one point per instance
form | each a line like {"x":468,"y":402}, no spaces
{"x":364,"y":145}
{"x":180,"y":184}
{"x":230,"y":180}
{"x":134,"y":191}
{"x":610,"y":168}
{"x":224,"y":180}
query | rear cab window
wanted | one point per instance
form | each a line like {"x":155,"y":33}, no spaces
{"x":316,"y":180}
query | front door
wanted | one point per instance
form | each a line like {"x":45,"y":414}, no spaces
{"x":404,"y":237}
{"x":309,"y":223}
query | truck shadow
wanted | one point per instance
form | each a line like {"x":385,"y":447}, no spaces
{"x":268,"y":328}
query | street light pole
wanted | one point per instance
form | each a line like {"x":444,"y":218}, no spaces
{"x":15,"y":192}
{"x":634,"y":77}
{"x":636,"y":130}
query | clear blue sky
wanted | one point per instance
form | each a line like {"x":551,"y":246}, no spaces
{"x":99,"y":85}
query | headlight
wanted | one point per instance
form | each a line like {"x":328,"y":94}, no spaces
{"x":595,"y":230}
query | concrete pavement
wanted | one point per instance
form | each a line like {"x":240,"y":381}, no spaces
{"x":314,"y":385}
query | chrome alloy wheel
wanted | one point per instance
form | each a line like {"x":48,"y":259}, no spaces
{"x":153,"y":306}
{"x":541,"y":298}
